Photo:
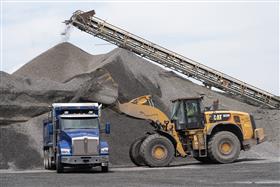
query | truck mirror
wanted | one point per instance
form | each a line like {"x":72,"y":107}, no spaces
{"x":107,"y":128}
{"x":99,"y":110}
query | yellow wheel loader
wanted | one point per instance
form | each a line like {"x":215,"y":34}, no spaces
{"x":215,"y":136}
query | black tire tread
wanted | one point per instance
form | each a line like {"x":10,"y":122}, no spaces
{"x":211,"y":149}
{"x":146,"y":142}
{"x":59,"y":166}
{"x":105,"y":169}
{"x":136,"y":159}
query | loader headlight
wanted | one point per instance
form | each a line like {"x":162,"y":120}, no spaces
{"x":104,"y":150}
{"x":65,"y":151}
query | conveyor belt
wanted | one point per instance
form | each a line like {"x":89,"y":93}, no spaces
{"x":87,"y":22}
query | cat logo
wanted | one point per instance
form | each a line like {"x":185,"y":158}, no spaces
{"x":219,"y":117}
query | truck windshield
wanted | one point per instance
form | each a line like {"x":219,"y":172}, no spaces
{"x":79,"y":123}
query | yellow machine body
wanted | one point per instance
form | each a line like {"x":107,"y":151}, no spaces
{"x":240,"y":123}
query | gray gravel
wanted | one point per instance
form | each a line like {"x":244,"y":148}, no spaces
{"x":65,"y":73}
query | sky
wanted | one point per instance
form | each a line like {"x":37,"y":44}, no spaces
{"x":240,"y":39}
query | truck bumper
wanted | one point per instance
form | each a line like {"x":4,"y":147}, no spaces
{"x":85,"y":160}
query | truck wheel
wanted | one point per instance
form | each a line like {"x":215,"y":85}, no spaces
{"x":50,"y":162}
{"x":45,"y":159}
{"x":157,"y":151}
{"x":59,"y":166}
{"x":134,"y":152}
{"x":205,"y":160}
{"x":104,"y":169}
{"x":224,"y":147}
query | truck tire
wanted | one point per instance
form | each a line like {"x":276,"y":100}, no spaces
{"x":45,"y":159}
{"x":104,"y":169}
{"x":157,"y":151}
{"x":59,"y":165}
{"x":134,"y":152}
{"x":50,"y":162}
{"x":224,"y":147}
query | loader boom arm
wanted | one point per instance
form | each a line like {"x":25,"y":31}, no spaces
{"x":143,"y":108}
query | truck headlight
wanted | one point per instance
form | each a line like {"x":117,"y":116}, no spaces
{"x":65,"y":151}
{"x":104,"y":150}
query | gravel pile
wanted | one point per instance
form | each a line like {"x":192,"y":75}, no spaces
{"x":48,"y":65}
{"x":24,"y":98}
{"x":65,"y":73}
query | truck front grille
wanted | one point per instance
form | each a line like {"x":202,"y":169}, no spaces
{"x":85,"y":146}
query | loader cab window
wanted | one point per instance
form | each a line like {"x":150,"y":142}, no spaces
{"x":178,"y":115}
{"x":193,"y":113}
{"x":186,"y":114}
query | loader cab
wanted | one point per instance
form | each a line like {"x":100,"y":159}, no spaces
{"x":186,"y":113}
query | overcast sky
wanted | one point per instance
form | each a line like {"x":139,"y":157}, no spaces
{"x":240,"y":39}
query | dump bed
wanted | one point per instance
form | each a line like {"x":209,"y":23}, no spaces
{"x":47,"y":134}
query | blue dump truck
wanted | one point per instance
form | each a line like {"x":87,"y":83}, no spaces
{"x":71,"y":137}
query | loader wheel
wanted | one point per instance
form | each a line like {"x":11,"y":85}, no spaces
{"x":224,"y":147}
{"x":134,"y":152}
{"x":157,"y":151}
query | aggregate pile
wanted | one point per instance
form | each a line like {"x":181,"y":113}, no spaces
{"x":66,"y":73}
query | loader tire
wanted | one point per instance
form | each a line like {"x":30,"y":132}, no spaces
{"x":224,"y":147}
{"x":134,"y":152}
{"x":157,"y":151}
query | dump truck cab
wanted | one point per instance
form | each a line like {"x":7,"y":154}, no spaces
{"x":72,"y":137}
